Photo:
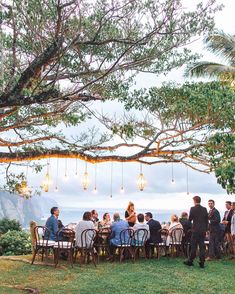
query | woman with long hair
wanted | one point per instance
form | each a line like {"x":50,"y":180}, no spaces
{"x":130,"y":214}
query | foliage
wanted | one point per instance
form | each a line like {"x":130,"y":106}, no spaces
{"x":15,"y":243}
{"x":144,"y":276}
{"x":59,"y":56}
{"x":9,"y":225}
{"x":222,"y":45}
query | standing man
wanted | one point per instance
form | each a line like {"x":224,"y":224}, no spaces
{"x":198,"y":214}
{"x":52,"y":223}
{"x":214,"y":231}
{"x":227,"y":222}
{"x":233,"y":228}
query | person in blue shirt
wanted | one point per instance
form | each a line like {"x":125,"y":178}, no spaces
{"x":52,"y":223}
{"x":117,"y":226}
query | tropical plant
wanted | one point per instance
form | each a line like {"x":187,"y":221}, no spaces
{"x":222,"y":45}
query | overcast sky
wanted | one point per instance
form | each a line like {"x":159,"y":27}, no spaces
{"x":159,"y":192}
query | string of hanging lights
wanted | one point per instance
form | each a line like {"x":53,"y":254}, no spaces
{"x":47,"y":180}
{"x":187,"y":183}
{"x":66,"y":177}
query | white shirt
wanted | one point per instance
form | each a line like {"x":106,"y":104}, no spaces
{"x":138,"y":226}
{"x":233,"y":225}
{"x":80,"y":227}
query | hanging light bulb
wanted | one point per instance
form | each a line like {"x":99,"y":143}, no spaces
{"x":57,"y":173}
{"x":122,"y":186}
{"x":47,"y":180}
{"x":76,"y":171}
{"x":172,"y":174}
{"x":85,"y":179}
{"x":95,"y":191}
{"x":141,"y":182}
{"x":66,"y":177}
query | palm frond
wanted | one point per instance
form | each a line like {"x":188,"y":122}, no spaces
{"x":208,"y":69}
{"x":222,"y":45}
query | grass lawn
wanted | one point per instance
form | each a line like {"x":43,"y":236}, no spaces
{"x":145,"y":276}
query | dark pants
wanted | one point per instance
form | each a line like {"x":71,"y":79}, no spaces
{"x":197,"y":239}
{"x":214,"y":244}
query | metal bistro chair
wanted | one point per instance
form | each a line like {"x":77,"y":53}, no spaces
{"x":139,"y":239}
{"x":87,"y":248}
{"x":102,"y":242}
{"x":42,"y":242}
{"x":162,"y":245}
{"x":126,"y":240}
{"x":64,"y":245}
{"x":176,"y":241}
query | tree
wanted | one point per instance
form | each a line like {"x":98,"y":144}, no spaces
{"x":222,"y":45}
{"x":58,"y":57}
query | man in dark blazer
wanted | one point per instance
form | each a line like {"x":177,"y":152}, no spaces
{"x":214,"y":231}
{"x":199,"y":216}
{"x":155,"y":234}
{"x":227,"y":222}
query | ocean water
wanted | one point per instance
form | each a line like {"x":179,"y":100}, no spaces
{"x":73,"y":215}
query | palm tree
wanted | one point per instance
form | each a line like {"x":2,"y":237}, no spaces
{"x":222,"y":45}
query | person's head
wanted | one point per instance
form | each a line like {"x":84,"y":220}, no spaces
{"x":130,"y":206}
{"x":106,"y":216}
{"x":184,"y":215}
{"x":148,"y":216}
{"x":233,"y":205}
{"x":228,"y":204}
{"x":197,"y":200}
{"x":140,"y":217}
{"x":60,"y":225}
{"x":55,"y":211}
{"x":94,"y":213}
{"x":116,"y":216}
{"x":211,"y":203}
{"x":87,"y":216}
{"x":174,"y":218}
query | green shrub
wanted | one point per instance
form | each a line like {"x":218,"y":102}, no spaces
{"x":9,"y":225}
{"x":15,"y":243}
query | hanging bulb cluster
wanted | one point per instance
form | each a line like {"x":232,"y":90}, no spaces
{"x":47,"y":180}
{"x":172,"y":174}
{"x":141,"y":181}
{"x":85,"y":179}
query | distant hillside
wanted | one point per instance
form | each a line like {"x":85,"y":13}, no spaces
{"x":24,"y":210}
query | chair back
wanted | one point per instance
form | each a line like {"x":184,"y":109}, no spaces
{"x":164,"y":233}
{"x":41,"y":235}
{"x":65,"y":238}
{"x":87,"y":238}
{"x":140,"y":237}
{"x":126,"y":237}
{"x":102,"y":236}
{"x":177,"y":235}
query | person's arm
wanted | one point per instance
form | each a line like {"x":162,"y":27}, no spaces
{"x":54,"y":226}
{"x":191,"y":214}
{"x":128,"y":216}
{"x":233,"y":225}
{"x":216,"y":218}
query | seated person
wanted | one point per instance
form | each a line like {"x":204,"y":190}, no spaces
{"x":155,"y":234}
{"x":141,"y":225}
{"x":175,"y":224}
{"x":117,"y":226}
{"x":106,"y":222}
{"x":52,"y":223}
{"x":83,"y":225}
{"x":185,"y":222}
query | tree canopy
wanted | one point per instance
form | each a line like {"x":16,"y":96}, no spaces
{"x":60,"y":58}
